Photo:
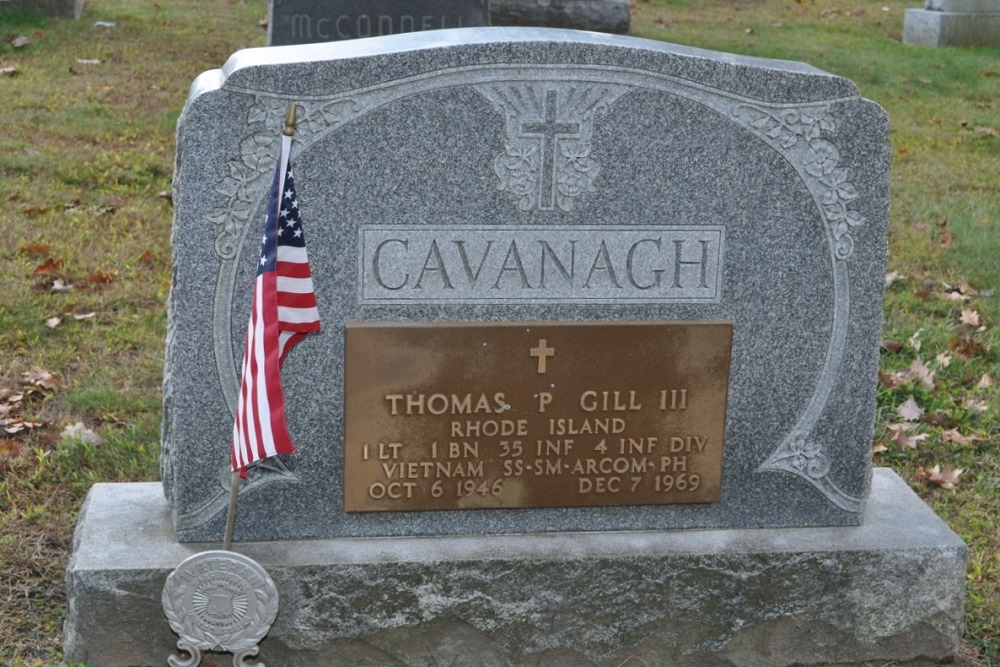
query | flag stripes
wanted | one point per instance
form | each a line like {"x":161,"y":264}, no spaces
{"x":283,"y":310}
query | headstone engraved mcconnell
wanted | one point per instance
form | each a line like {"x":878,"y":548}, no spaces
{"x":309,"y":21}
{"x":580,"y":293}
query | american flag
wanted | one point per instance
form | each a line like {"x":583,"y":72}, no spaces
{"x":283,"y":312}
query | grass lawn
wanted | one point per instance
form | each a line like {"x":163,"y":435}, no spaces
{"x":86,"y":157}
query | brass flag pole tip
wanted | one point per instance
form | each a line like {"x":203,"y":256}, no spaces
{"x":290,"y":119}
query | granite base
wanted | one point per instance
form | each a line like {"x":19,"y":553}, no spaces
{"x":890,"y":589}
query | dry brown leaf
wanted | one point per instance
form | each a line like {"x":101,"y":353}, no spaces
{"x":985,"y":382}
{"x":947,"y":238}
{"x":60,"y":285}
{"x":976,"y":406}
{"x":40,"y":377}
{"x":901,"y":435}
{"x":991,"y":131}
{"x":893,"y":277}
{"x":879,"y":447}
{"x":79,"y":431}
{"x":966,"y":347}
{"x":952,"y":435}
{"x":946,"y":479}
{"x":970,"y":317}
{"x":915,"y":339}
{"x":84,"y":316}
{"x":20,"y":42}
{"x":921,"y":373}
{"x":892,"y":345}
{"x":53,"y":322}
{"x":954,"y":296}
{"x":49,"y":266}
{"x":909,"y":410}
{"x":943,"y":359}
{"x":891,"y":380}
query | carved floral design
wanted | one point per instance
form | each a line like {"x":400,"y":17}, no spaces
{"x":242,"y":185}
{"x":802,"y":130}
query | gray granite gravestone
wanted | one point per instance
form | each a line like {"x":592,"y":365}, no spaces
{"x":70,"y":9}
{"x":953,"y":23}
{"x":597,"y":15}
{"x":692,"y":186}
{"x":310,"y":21}
{"x":533,"y":175}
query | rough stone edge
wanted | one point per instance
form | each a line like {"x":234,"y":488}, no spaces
{"x":124,"y":549}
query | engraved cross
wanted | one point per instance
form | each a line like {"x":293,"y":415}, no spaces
{"x":548,"y":131}
{"x":542,"y":353}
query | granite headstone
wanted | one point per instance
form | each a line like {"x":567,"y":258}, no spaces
{"x":70,"y":9}
{"x":691,"y":186}
{"x":953,"y":23}
{"x":597,"y":15}
{"x":310,"y":21}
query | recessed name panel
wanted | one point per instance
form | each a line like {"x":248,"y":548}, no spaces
{"x":483,"y":415}
{"x":401,"y":264}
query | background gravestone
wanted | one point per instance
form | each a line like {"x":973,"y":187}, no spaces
{"x":71,"y":9}
{"x":596,"y":15}
{"x":309,"y":21}
{"x":953,"y":23}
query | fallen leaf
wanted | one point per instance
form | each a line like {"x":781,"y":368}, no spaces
{"x":53,"y":322}
{"x":60,"y":285}
{"x":878,"y":448}
{"x":944,"y":359}
{"x":893,"y":277}
{"x":34,"y":249}
{"x":947,"y":238}
{"x":20,"y":42}
{"x":891,"y":380}
{"x":915,"y":339}
{"x":9,"y":71}
{"x":80,"y":432}
{"x":920,"y":372}
{"x":976,"y":406}
{"x":952,"y":435}
{"x":99,"y":278}
{"x":76,"y":71}
{"x":970,"y":317}
{"x":49,"y":266}
{"x":902,"y":437}
{"x":84,"y":316}
{"x":88,"y":61}
{"x":909,"y":410}
{"x":946,"y":479}
{"x":966,"y":347}
{"x":891,"y":345}
{"x":39,"y":377}
{"x":985,"y":382}
{"x":9,"y":448}
{"x":991,"y":131}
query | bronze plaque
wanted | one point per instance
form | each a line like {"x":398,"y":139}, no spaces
{"x":476,"y":415}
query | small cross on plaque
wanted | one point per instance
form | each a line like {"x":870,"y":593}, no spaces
{"x":542,"y":353}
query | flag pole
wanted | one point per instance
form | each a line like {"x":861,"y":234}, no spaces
{"x":234,"y":489}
